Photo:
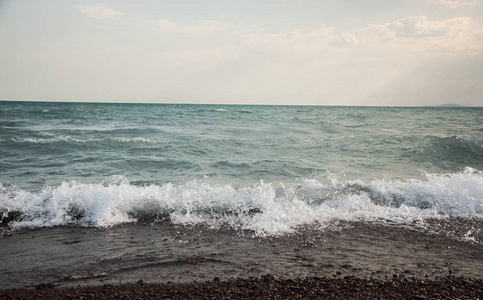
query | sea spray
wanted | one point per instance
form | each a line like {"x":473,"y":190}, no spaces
{"x":264,"y":208}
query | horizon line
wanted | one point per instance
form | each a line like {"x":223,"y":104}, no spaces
{"x":445,"y":105}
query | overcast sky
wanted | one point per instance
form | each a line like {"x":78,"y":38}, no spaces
{"x":317,"y":52}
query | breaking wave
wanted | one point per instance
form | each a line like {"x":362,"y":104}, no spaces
{"x":264,"y":208}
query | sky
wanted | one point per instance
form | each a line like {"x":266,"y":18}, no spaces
{"x":307,"y":52}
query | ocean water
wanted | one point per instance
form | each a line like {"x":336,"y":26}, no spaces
{"x":263,"y":169}
{"x":112,"y":193}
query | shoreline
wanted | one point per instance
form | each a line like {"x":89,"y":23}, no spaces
{"x":268,"y":287}
{"x":66,"y":258}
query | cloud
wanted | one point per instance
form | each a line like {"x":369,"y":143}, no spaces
{"x":302,"y":40}
{"x":453,"y":3}
{"x":420,"y":27}
{"x":345,"y":39}
{"x":421,"y":34}
{"x":469,"y":43}
{"x":202,"y":28}
{"x":101,"y":11}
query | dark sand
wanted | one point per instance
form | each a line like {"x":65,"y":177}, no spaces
{"x":345,"y":260}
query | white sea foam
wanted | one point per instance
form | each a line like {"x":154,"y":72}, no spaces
{"x":60,"y":138}
{"x":135,"y":140}
{"x":67,"y":138}
{"x":262,"y":208}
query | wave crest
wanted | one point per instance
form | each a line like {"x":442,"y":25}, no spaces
{"x":264,"y":208}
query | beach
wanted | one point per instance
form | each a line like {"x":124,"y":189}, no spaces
{"x":269,"y":288}
{"x":346,"y":260}
{"x":241,"y":149}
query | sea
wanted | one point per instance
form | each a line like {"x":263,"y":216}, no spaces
{"x":113,"y":192}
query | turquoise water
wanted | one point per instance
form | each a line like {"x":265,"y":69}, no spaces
{"x":102,"y":164}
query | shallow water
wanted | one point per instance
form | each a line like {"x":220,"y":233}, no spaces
{"x":75,"y":256}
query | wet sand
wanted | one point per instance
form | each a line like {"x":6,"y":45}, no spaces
{"x":348,"y":259}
